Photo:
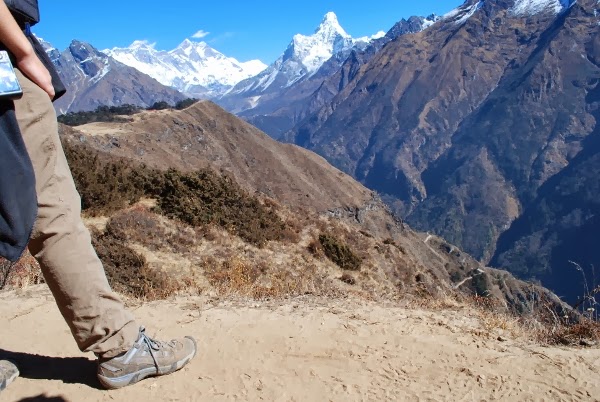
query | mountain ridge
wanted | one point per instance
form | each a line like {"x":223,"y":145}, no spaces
{"x":277,"y":110}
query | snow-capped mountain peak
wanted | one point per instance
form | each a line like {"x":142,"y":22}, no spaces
{"x":141,"y":44}
{"x":461,"y":14}
{"x":187,"y":46}
{"x":331,"y":26}
{"x":198,"y":50}
{"x":530,"y":7}
{"x":192,"y":67}
{"x":313,"y":50}
{"x":519,"y":8}
{"x":303,"y":58}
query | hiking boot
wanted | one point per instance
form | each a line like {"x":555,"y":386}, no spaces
{"x":8,"y":373}
{"x":146,"y":358}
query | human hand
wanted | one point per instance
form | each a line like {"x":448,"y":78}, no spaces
{"x":32,"y":67}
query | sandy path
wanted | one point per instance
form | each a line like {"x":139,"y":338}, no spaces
{"x":300,"y":351}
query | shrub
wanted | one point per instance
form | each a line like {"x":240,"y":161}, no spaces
{"x":389,"y":241}
{"x":185,"y":103}
{"x":348,"y":279}
{"x":101,"y":114}
{"x":103,"y":186}
{"x":24,"y":272}
{"x":203,"y":197}
{"x":339,"y":253}
{"x":162,"y":105}
{"x":124,"y":267}
{"x":127,"y":271}
{"x":315,"y":248}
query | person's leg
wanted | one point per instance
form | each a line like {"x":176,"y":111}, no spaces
{"x":61,"y":243}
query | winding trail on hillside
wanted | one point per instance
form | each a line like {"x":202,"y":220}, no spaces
{"x":300,"y":350}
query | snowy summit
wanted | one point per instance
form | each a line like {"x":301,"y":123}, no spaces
{"x":192,"y":67}
{"x":328,"y":39}
{"x":530,"y":7}
{"x":304,"y":56}
{"x":520,"y":8}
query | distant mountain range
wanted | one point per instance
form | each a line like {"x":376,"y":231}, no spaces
{"x":193,"y":68}
{"x":196,"y":70}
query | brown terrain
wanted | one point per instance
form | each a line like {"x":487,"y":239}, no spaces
{"x":309,"y":190}
{"x":206,"y":135}
{"x":303,"y":349}
{"x":337,"y":300}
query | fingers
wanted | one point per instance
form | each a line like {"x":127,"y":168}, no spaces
{"x":49,"y":89}
{"x":33,"y":68}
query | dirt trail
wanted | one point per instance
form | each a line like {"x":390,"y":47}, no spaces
{"x":300,"y":350}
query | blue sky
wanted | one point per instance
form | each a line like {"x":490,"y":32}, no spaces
{"x":244,"y":29}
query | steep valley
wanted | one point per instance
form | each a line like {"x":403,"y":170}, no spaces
{"x":459,"y":128}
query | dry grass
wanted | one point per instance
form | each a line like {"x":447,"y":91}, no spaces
{"x":23,"y":273}
{"x":548,"y":328}
{"x":139,"y":225}
{"x":584,"y":333}
{"x":542,"y":326}
{"x":241,"y":278}
{"x":423,"y":298}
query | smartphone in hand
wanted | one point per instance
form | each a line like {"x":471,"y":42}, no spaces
{"x":9,"y":84}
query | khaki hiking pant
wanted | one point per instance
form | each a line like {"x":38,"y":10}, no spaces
{"x":61,"y":243}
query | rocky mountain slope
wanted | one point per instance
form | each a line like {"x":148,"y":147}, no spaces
{"x":459,"y":126}
{"x":394,"y":257}
{"x":554,"y":238}
{"x":93,"y":79}
{"x":193,"y":68}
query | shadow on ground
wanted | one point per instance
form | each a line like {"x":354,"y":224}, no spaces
{"x":43,"y":398}
{"x":70,"y":370}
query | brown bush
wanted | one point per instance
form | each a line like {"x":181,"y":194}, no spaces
{"x":104,"y":186}
{"x":586,"y":333}
{"x":203,"y":197}
{"x":348,"y":279}
{"x":127,"y":271}
{"x":315,"y":248}
{"x":339,"y":253}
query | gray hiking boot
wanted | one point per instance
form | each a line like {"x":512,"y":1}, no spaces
{"x":8,"y":373}
{"x":146,"y":358}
